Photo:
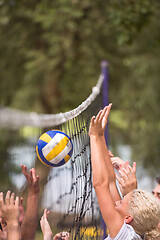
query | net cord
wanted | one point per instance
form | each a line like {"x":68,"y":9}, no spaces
{"x":16,"y":118}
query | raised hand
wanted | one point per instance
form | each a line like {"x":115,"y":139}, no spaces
{"x":9,"y":207}
{"x":45,"y":227}
{"x":117,"y":162}
{"x":10,"y":215}
{"x":98,"y":123}
{"x":30,"y":221}
{"x":32,"y":179}
{"x":127,"y":175}
{"x":61,"y":236}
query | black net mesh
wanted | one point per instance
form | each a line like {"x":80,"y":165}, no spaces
{"x":76,"y":198}
{"x":66,"y":191}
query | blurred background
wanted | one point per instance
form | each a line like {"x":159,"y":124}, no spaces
{"x":50,"y":55}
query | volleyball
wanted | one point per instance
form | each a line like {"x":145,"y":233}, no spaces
{"x":54,"y":148}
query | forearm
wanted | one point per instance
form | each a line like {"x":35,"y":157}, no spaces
{"x":13,"y":231}
{"x":99,"y":168}
{"x":111,"y":172}
{"x":48,"y":236}
{"x":112,"y":177}
{"x":29,"y":224}
{"x":103,"y":193}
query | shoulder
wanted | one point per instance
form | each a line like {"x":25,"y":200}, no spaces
{"x":126,"y":232}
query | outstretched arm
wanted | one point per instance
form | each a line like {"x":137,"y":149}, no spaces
{"x":47,"y":232}
{"x":30,"y":221}
{"x":10,"y":214}
{"x":45,"y":227}
{"x":101,"y":166}
{"x":106,"y":154}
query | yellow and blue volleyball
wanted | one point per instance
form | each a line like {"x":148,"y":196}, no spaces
{"x":54,"y":148}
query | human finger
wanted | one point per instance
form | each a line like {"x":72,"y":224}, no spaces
{"x":21,"y":201}
{"x":108,"y":110}
{"x":133,"y":178}
{"x":132,"y":170}
{"x":24,"y":171}
{"x":134,"y":167}
{"x":103,"y":112}
{"x":118,"y":178}
{"x":116,"y":166}
{"x":37,"y":180}
{"x":92,"y":120}
{"x":57,"y":236}
{"x":30,"y":173}
{"x":1,"y":200}
{"x":110,"y":153}
{"x":99,"y":115}
{"x":64,"y":235}
{"x":34,"y":174}
{"x":105,"y":115}
{"x":12,"y":199}
{"x":117,"y":160}
{"x":114,"y":161}
{"x":17,"y":201}
{"x":123,"y":174}
{"x":45,"y":213}
{"x":126,"y":168}
{"x":7,"y":198}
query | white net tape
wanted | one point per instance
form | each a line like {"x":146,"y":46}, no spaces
{"x":17,"y":118}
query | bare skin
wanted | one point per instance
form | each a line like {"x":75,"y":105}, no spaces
{"x":127,"y":175}
{"x":47,"y":232}
{"x":30,"y":221}
{"x":10,"y":214}
{"x":103,"y":175}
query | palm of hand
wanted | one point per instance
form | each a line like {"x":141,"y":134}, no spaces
{"x":10,"y":212}
{"x":98,"y":124}
{"x":33,"y":185}
{"x":33,"y":180}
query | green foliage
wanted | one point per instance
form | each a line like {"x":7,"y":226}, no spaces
{"x":7,"y":165}
{"x":129,"y":17}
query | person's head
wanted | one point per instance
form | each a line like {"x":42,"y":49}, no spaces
{"x":141,"y":210}
{"x":145,"y":210}
{"x":156,"y":191}
{"x":122,"y":206}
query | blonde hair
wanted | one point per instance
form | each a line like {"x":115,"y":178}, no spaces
{"x":145,"y":209}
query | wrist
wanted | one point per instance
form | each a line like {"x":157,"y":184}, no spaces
{"x":48,"y":236}
{"x":99,"y":136}
{"x":12,"y":224}
{"x":33,"y":194}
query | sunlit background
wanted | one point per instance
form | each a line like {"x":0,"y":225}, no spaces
{"x":50,"y":55}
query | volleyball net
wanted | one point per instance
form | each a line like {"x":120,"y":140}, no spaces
{"x":66,"y":191}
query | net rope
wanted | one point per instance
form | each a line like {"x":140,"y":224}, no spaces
{"x":68,"y":191}
{"x":17,"y":118}
{"x":82,"y":211}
